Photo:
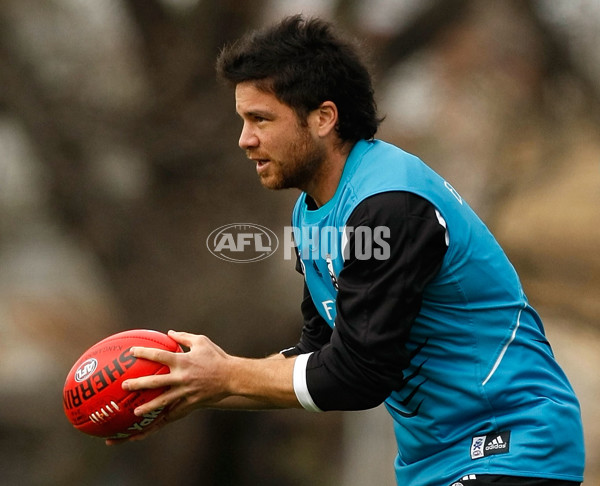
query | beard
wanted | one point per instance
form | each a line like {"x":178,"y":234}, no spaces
{"x":298,"y":166}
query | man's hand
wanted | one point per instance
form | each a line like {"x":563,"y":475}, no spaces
{"x":207,"y":377}
{"x":196,"y":377}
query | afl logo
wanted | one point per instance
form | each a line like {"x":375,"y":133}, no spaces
{"x":85,"y":370}
{"x":242,"y":242}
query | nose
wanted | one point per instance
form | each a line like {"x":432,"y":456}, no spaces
{"x":248,"y":138}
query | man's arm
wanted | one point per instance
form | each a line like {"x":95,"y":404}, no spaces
{"x":377,"y":303}
{"x":246,"y":403}
{"x":206,"y":376}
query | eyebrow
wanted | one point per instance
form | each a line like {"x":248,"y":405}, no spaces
{"x":256,"y":113}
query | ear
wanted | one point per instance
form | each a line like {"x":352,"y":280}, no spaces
{"x":327,"y":118}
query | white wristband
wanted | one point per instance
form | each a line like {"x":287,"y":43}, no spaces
{"x":300,"y":386}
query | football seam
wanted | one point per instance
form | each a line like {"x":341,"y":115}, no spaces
{"x":145,"y":338}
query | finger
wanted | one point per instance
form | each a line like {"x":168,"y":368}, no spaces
{"x":157,"y":425}
{"x":163,"y":401}
{"x":150,"y":381}
{"x":153,"y":354}
{"x":114,"y":442}
{"x":184,"y":338}
{"x":178,"y":409}
{"x":133,"y":438}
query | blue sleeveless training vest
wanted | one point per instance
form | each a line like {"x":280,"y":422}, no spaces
{"x":483,"y":393}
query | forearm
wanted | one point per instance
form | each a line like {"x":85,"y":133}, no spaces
{"x":260,"y":383}
{"x":241,"y":403}
{"x":206,"y":376}
{"x":262,"y":392}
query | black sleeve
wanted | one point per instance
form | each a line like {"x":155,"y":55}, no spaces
{"x":316,"y":333}
{"x":377,"y":303}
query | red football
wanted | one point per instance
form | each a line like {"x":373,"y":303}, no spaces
{"x":93,"y":399}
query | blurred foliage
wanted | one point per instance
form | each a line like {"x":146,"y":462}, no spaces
{"x":120,"y":157}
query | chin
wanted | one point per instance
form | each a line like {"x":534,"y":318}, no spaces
{"x":273,"y":183}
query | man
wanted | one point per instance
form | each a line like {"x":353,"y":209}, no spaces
{"x":408,"y":299}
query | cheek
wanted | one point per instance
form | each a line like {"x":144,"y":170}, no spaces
{"x":276,"y":144}
{"x":285,"y":142}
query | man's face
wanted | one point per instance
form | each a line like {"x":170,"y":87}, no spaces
{"x":287,"y":153}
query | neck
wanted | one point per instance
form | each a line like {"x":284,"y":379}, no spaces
{"x":328,"y":178}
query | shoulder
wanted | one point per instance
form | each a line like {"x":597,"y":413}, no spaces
{"x":377,"y":167}
{"x":390,"y":206}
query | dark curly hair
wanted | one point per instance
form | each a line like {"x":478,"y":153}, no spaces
{"x":304,"y":63}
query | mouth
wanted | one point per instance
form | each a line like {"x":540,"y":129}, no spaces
{"x":260,"y":163}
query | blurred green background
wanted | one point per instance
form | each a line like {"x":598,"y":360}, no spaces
{"x":118,"y":157}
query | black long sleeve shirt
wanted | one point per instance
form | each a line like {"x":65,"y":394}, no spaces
{"x":358,"y":363}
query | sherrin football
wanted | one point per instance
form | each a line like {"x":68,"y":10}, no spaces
{"x":93,"y":399}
